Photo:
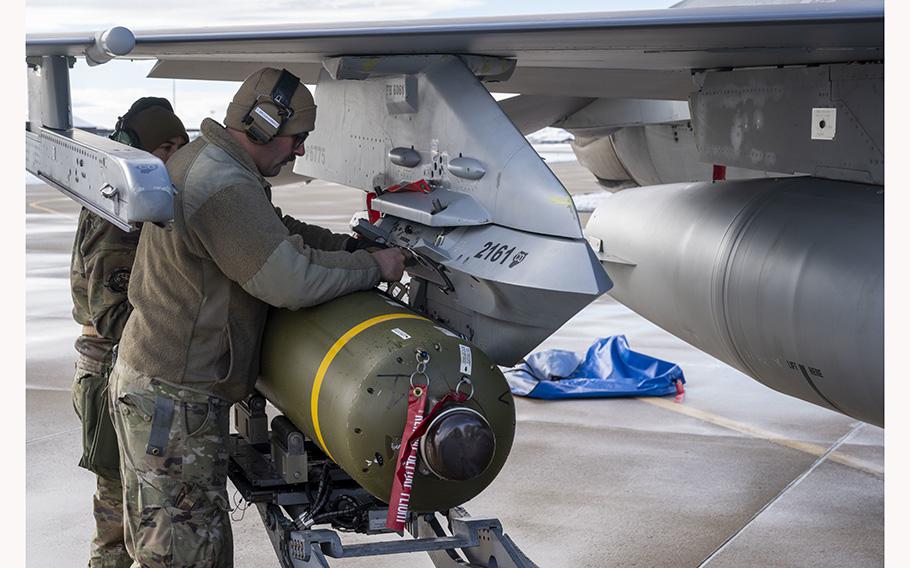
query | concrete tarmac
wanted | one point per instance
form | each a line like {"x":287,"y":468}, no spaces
{"x":732,"y":475}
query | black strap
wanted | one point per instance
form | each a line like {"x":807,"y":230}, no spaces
{"x":161,"y":425}
{"x":285,"y":88}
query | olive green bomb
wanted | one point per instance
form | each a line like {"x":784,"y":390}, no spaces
{"x":342,"y":371}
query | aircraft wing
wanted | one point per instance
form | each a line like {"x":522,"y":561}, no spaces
{"x":640,"y":54}
{"x":780,"y":278}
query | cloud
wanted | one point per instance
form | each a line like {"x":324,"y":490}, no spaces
{"x":100,"y":107}
{"x":100,"y":94}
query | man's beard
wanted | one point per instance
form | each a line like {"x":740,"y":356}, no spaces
{"x":278,"y":167}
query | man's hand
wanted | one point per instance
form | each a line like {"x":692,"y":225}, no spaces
{"x":391,"y":263}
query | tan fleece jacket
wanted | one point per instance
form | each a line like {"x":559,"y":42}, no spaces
{"x":200,"y":289}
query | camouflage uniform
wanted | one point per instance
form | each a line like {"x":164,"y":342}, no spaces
{"x":100,"y":269}
{"x":177,"y":512}
{"x":201,"y":292}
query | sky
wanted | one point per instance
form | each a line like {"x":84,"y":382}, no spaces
{"x":102,"y":93}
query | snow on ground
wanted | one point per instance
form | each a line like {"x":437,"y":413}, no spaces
{"x":550,"y":135}
{"x":588,"y":202}
{"x":555,"y":152}
{"x":552,"y":144}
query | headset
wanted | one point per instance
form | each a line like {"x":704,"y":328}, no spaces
{"x":269,"y":112}
{"x":126,"y":135}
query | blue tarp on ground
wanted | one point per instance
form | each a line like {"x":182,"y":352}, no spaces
{"x":609,"y":368}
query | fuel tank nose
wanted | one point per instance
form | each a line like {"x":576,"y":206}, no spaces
{"x":459,"y":445}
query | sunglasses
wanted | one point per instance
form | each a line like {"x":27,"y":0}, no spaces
{"x":299,"y":139}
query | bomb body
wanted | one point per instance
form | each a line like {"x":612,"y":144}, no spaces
{"x":342,"y":372}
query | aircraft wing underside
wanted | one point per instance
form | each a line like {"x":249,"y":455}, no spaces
{"x":782,"y":278}
{"x":641,"y":54}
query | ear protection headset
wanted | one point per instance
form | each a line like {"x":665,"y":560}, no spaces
{"x":269,"y":112}
{"x":126,"y":135}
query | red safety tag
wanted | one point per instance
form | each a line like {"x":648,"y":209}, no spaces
{"x":719,"y":173}
{"x":372,"y":214}
{"x":420,"y":185}
{"x":407,"y":463}
{"x":415,"y":426}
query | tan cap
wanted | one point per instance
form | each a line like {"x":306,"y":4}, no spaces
{"x":154,"y":126}
{"x":261,"y":83}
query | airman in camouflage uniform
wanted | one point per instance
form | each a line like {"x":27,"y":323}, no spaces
{"x":177,"y":511}
{"x":201,"y":293}
{"x":99,"y":277}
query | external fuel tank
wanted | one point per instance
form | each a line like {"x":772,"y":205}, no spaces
{"x":782,"y":279}
{"x":341,"y":372}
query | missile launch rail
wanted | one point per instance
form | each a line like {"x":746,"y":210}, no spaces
{"x":296,"y":487}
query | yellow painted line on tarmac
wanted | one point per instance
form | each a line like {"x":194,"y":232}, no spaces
{"x":330,"y":356}
{"x":761,"y":434}
{"x":39,"y":205}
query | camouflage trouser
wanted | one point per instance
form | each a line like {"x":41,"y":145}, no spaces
{"x":176,"y":497}
{"x":100,"y":455}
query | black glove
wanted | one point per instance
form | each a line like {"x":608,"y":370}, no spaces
{"x":360,"y":243}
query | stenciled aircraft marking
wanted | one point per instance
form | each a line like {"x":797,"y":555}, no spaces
{"x":761,"y":434}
